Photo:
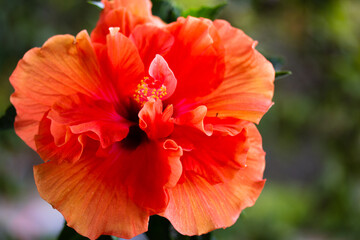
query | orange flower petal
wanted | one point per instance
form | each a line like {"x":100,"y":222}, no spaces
{"x":126,"y":14}
{"x":159,"y":70}
{"x":29,"y":114}
{"x":154,"y":121}
{"x":196,"y":57}
{"x":91,"y":198}
{"x":194,"y":118}
{"x":63,"y":65}
{"x":216,"y":158}
{"x":197,"y":207}
{"x":125,"y":67}
{"x":83,"y":114}
{"x":136,"y":7}
{"x":247,"y":88}
{"x":227,"y":126}
{"x":49,"y":147}
{"x":151,"y":40}
{"x":148,"y":170}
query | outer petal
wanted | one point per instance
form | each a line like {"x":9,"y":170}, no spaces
{"x":196,"y":57}
{"x":136,"y":7}
{"x":62,"y":66}
{"x":90,"y":196}
{"x":197,"y":207}
{"x":126,"y":14}
{"x":247,"y":88}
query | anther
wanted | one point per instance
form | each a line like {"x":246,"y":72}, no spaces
{"x":149,"y":88}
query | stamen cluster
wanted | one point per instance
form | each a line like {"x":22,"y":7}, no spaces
{"x":147,"y":89}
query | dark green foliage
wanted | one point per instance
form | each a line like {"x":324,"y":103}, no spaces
{"x":169,"y":12}
{"x":97,"y":4}
{"x":277,"y":62}
{"x":160,"y":228}
{"x":67,"y":233}
{"x":7,"y":121}
{"x":205,"y":12}
{"x":282,"y":74}
{"x":165,"y":10}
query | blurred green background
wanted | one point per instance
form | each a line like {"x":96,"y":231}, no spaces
{"x":311,"y":134}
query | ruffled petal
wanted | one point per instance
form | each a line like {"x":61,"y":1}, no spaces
{"x":196,"y":57}
{"x":63,"y":65}
{"x":126,"y":14}
{"x":225,"y":126}
{"x":86,"y":115}
{"x":194,"y":118}
{"x":148,"y":171}
{"x":197,"y":206}
{"x":151,"y":40}
{"x":59,"y":146}
{"x":29,"y":115}
{"x":247,"y":89}
{"x":154,"y":121}
{"x":216,"y":158}
{"x":91,"y":197}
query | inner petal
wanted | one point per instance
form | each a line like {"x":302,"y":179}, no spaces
{"x":148,"y":171}
{"x":154,"y":121}
{"x":160,"y":84}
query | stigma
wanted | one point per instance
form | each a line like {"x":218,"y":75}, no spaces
{"x":149,"y":88}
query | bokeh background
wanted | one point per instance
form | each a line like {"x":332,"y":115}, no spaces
{"x":311,"y":134}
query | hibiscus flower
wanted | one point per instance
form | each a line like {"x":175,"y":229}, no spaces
{"x":145,"y":118}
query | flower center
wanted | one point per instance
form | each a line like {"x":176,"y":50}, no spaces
{"x":149,"y":88}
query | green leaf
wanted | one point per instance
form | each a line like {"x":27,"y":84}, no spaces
{"x":178,"y":236}
{"x":165,"y":10}
{"x":277,"y":62}
{"x":7,"y":121}
{"x":159,"y":228}
{"x":97,"y":3}
{"x":282,"y":74}
{"x":205,"y":12}
{"x":67,"y":233}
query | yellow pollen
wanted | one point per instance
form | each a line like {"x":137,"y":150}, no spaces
{"x":148,"y":89}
